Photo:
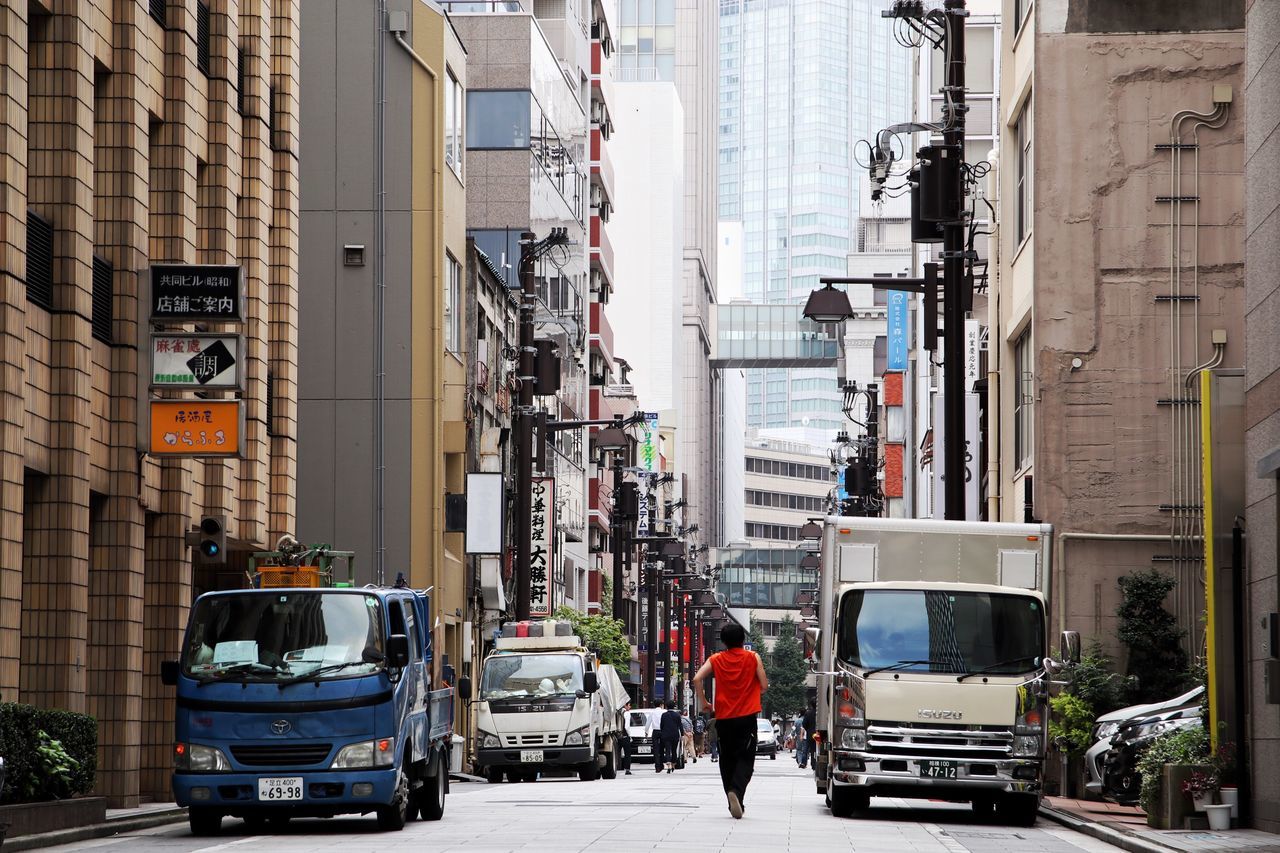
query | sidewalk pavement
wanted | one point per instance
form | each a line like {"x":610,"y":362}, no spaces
{"x":118,"y":821}
{"x":1126,"y":827}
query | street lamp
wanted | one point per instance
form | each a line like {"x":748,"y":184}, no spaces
{"x":810,"y":561}
{"x":811,"y":531}
{"x":828,"y":305}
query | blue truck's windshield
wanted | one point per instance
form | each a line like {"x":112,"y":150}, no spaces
{"x":535,"y":675}
{"x":949,"y":631}
{"x":281,"y":636}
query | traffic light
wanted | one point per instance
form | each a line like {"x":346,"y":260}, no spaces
{"x":209,"y":541}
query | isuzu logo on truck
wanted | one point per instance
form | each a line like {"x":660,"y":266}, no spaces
{"x":930,"y":714}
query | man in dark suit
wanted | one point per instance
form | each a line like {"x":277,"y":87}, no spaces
{"x":670,"y":729}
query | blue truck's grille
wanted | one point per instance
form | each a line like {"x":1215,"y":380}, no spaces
{"x":274,"y":754}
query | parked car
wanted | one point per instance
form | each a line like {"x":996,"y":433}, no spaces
{"x":641,"y":725}
{"x":766,"y":739}
{"x":1121,"y":736}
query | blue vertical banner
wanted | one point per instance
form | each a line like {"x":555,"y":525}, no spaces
{"x":898,"y":330}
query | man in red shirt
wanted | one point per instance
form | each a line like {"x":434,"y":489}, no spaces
{"x":739,"y":678}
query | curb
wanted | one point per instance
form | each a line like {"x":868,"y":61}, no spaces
{"x":466,"y":777}
{"x":1119,"y":838}
{"x":96,"y":830}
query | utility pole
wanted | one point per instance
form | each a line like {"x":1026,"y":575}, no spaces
{"x":524,"y":425}
{"x":652,"y":577}
{"x":953,"y":269}
{"x":619,"y":526}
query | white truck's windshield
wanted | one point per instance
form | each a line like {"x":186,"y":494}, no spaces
{"x":283,"y":636}
{"x":947,"y":631}
{"x":516,"y":676}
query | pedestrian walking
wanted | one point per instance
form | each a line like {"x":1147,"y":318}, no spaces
{"x":686,"y":726}
{"x":713,"y":740}
{"x":739,"y":678}
{"x":808,"y":723}
{"x":623,"y":739}
{"x":669,"y":733}
{"x":699,"y":735}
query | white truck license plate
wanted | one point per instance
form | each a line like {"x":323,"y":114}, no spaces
{"x":531,"y":756}
{"x":275,"y":789}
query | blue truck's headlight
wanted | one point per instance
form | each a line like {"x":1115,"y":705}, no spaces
{"x":367,"y":753}
{"x":197,"y":758}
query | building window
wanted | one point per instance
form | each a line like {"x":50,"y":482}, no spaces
{"x":1023,"y":400}
{"x":1022,"y":197}
{"x":39,"y":260}
{"x":103,"y":293}
{"x":453,"y":143}
{"x":271,"y":404}
{"x":240,"y":80}
{"x":498,"y":119}
{"x":158,"y":9}
{"x":1021,"y":14}
{"x":203,"y":35}
{"x":271,"y":118}
{"x":453,"y":305}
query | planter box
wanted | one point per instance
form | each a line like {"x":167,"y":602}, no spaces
{"x":1172,"y":806}
{"x":30,"y":818}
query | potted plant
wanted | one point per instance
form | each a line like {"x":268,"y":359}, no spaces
{"x":1224,"y":764}
{"x":1200,"y":786}
{"x":1070,"y":727}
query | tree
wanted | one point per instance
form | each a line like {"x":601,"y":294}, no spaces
{"x":601,"y":635}
{"x":755,"y":639}
{"x":1157,"y":661}
{"x":786,"y":670}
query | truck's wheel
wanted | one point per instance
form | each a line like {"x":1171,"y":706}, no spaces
{"x":204,"y":821}
{"x":610,"y":769}
{"x":431,"y":795}
{"x":589,"y":772}
{"x":1018,"y":809}
{"x":493,"y":774}
{"x":844,"y":801}
{"x":393,"y":817}
{"x":984,"y":808}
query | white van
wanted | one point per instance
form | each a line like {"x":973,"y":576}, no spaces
{"x":641,"y":725}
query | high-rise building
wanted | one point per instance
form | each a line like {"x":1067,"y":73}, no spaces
{"x":676,"y":40}
{"x":802,"y":82}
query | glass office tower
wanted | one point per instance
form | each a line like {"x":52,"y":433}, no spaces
{"x":801,"y":83}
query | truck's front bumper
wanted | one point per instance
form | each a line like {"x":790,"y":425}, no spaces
{"x":558,"y":756}
{"x":895,"y":776}
{"x":324,"y":792}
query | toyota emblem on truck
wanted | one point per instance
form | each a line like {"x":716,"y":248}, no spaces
{"x":281,"y":727}
{"x":930,"y":714}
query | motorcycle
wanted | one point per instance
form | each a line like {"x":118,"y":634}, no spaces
{"x":1120,"y":737}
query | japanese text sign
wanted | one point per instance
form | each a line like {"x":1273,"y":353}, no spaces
{"x":898,"y":330}
{"x":195,"y":361}
{"x":195,"y":292}
{"x":195,"y":427}
{"x":541,"y":545}
{"x":648,"y":450}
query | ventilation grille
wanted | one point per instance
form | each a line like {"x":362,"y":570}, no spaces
{"x":202,"y":38}
{"x":40,"y":260}
{"x":271,"y":403}
{"x":102,"y":298}
{"x":159,"y":10}
{"x":240,"y":80}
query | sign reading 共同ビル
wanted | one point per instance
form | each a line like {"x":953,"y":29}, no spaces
{"x":196,"y":292}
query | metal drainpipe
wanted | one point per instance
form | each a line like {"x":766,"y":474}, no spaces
{"x":379,"y":300}
{"x":1060,"y":546}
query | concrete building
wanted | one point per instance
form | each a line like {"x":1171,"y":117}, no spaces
{"x":134,"y":135}
{"x":383,"y":379}
{"x":676,"y":41}
{"x":800,"y":85}
{"x":1119,"y":264}
{"x":786,"y":483}
{"x":1262,"y":408}
{"x":529,"y":134}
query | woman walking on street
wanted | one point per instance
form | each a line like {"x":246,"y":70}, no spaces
{"x":739,"y":678}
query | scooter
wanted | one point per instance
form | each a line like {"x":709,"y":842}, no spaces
{"x":1121,"y":736}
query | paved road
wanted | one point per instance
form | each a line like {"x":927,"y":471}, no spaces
{"x":684,"y":811}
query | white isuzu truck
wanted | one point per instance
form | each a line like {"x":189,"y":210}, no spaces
{"x":933,"y":663}
{"x":546,"y":706}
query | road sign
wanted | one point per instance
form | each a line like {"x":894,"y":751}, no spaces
{"x":195,"y":361}
{"x":182,"y":292}
{"x":196,"y":427}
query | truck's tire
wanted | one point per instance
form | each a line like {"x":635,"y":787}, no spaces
{"x":589,"y":772}
{"x":393,"y":817}
{"x":610,"y":769}
{"x":984,"y":808}
{"x":204,"y":821}
{"x":431,"y":795}
{"x":493,"y":774}
{"x":1018,"y":809}
{"x":844,"y":801}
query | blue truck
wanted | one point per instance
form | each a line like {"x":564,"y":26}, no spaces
{"x":309,"y":701}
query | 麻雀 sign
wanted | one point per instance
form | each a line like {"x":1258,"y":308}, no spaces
{"x":195,"y":361}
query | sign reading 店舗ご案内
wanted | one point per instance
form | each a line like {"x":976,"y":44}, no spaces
{"x":209,"y":292}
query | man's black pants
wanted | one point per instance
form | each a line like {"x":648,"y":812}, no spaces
{"x":664,"y":751}
{"x":737,"y":736}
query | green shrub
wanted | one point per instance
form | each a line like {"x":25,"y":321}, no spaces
{"x":1185,"y":746}
{"x":49,"y":755}
{"x":1158,"y":664}
{"x":1071,"y":723}
{"x":602,"y":635}
{"x":1095,"y":681}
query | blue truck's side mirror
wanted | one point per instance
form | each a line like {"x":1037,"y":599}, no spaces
{"x":590,"y":681}
{"x":169,"y":672}
{"x":398,"y":650}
